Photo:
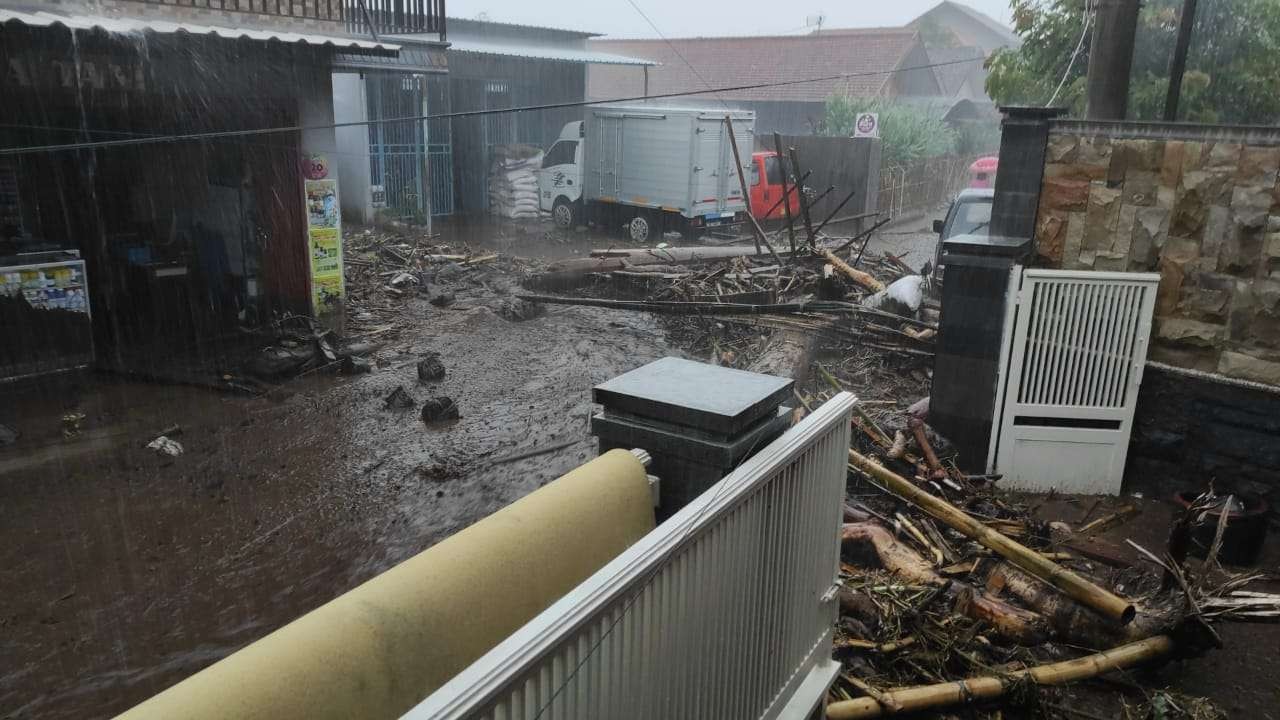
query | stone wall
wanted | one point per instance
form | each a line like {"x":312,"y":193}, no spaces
{"x":1198,"y":204}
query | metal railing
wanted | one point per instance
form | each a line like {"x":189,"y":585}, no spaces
{"x":308,"y":9}
{"x":726,"y":610}
{"x":922,"y":185}
{"x":360,"y":18}
{"x":395,"y":17}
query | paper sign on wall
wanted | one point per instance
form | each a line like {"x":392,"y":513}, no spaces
{"x":324,"y":244}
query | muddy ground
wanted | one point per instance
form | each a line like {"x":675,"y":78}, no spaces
{"x":124,"y":572}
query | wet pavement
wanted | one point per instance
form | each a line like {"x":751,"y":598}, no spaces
{"x":125,"y":571}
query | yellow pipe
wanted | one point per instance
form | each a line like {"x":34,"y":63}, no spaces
{"x":381,"y":648}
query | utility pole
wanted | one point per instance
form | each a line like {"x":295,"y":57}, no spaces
{"x":1111,"y":58}
{"x":1178,"y":64}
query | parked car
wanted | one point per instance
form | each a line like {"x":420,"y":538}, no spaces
{"x":652,"y":169}
{"x":969,"y":214}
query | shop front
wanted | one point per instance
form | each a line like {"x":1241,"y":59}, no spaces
{"x":135,"y":169}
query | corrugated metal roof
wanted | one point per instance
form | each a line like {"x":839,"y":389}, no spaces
{"x":126,"y":25}
{"x":544,"y":52}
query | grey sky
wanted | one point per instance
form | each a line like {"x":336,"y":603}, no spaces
{"x":687,"y":18}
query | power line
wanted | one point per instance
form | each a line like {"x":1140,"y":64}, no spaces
{"x":217,"y":134}
{"x":676,"y":50}
{"x":1088,"y":19}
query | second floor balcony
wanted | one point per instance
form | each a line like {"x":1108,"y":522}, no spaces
{"x":359,"y":17}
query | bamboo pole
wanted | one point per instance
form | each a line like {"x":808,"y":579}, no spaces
{"x":1106,"y":603}
{"x":864,"y":279}
{"x":760,"y":237}
{"x":924,"y":697}
{"x":786,"y":206}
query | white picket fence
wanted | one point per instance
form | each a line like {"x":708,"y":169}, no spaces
{"x":726,"y":610}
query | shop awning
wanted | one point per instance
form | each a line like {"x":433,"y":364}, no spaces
{"x":543,"y":52}
{"x":127,"y":25}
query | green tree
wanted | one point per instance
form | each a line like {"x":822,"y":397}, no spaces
{"x":1232,"y":64}
{"x":907,"y":132}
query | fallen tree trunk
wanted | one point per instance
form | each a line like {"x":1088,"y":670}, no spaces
{"x":925,"y":697}
{"x":864,"y":279}
{"x":787,"y":355}
{"x":1105,"y":602}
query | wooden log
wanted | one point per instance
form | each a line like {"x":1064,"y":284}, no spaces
{"x":1012,"y":623}
{"x":926,"y":697}
{"x":864,"y":279}
{"x":1078,"y":588}
{"x":1078,"y":624}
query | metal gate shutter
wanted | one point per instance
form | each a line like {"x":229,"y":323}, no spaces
{"x":1077,"y":344}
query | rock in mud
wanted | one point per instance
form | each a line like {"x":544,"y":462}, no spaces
{"x":443,"y":299}
{"x":439,"y":409}
{"x":275,"y":362}
{"x":355,"y":365}
{"x":516,"y":310}
{"x":430,"y":368}
{"x":400,"y":399}
{"x":166,"y":446}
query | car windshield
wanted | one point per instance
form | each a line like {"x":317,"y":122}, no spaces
{"x":971,"y":217}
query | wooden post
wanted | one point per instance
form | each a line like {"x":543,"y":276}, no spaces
{"x":760,"y":237}
{"x":804,"y":205}
{"x":786,"y":206}
{"x":1108,"y":604}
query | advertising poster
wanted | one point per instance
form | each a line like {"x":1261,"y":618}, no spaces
{"x":324,"y":241}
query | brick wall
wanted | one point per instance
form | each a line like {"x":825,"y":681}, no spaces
{"x":313,"y":13}
{"x":1198,"y":204}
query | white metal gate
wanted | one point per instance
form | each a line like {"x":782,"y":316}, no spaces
{"x":726,"y":610}
{"x":1076,"y":345}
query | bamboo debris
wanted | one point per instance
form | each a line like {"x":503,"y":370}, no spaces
{"x":1014,"y":624}
{"x":1107,"y":521}
{"x":988,"y":687}
{"x":1078,"y":588}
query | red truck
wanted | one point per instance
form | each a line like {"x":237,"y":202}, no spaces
{"x":766,"y":187}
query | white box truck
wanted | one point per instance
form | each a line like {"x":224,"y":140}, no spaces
{"x":652,"y":169}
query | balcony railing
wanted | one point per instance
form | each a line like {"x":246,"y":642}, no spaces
{"x":361,"y":18}
{"x":395,"y":16}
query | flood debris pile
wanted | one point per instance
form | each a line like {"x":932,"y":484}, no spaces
{"x":385,"y":269}
{"x":773,"y":313}
{"x":952,"y":592}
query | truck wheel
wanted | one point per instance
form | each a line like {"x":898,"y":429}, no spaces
{"x":565,"y":214}
{"x":641,"y":228}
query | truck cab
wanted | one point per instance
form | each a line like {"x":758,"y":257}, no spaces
{"x":767,"y":173}
{"x":560,"y":178}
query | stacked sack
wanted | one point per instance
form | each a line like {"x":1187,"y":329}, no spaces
{"x":513,"y":181}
